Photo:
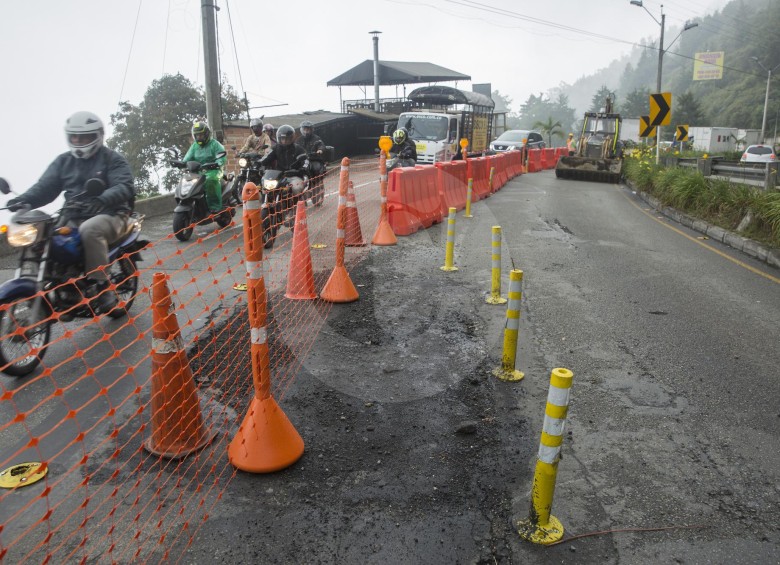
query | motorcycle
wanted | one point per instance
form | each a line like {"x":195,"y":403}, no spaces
{"x":49,"y":284}
{"x":191,"y":208}
{"x":317,"y":169}
{"x":400,"y":159}
{"x":250,"y":170}
{"x":280,"y":192}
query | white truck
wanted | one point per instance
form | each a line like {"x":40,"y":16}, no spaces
{"x":441,"y":116}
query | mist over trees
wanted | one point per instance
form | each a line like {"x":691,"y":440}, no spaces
{"x":742,"y":30}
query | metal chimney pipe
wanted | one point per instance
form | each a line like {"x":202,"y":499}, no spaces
{"x":376,"y":68}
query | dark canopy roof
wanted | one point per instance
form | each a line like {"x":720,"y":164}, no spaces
{"x":395,"y":72}
{"x":446,"y":95}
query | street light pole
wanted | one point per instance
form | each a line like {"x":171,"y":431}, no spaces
{"x":766,"y":96}
{"x":688,"y":25}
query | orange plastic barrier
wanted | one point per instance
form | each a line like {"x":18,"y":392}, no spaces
{"x":551,"y":157}
{"x":413,"y":199}
{"x":453,"y":185}
{"x":479,"y":171}
{"x":535,"y":160}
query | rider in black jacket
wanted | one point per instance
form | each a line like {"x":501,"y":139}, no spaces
{"x":108,"y":212}
{"x":284,"y":154}
{"x":403,"y":146}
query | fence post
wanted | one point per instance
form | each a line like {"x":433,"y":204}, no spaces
{"x":770,"y":180}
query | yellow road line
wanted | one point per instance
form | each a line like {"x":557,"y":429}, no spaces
{"x":693,"y":239}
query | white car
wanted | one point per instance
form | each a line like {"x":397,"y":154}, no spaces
{"x":758,"y":154}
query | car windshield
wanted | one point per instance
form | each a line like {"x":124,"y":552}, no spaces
{"x":513,"y":135}
{"x":759,"y":150}
{"x":429,"y":128}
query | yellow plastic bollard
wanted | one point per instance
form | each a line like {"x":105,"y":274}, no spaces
{"x":542,"y":527}
{"x":449,"y":251}
{"x":507,"y":371}
{"x":495,"y":275}
{"x":467,"y":214}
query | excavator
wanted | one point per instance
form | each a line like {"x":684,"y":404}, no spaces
{"x":599,"y":154}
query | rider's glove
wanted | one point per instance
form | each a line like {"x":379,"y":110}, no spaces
{"x":96,"y":206}
{"x":16,"y":203}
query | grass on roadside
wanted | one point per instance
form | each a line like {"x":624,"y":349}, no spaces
{"x":716,"y":201}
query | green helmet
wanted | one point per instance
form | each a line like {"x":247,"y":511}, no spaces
{"x":201,"y":132}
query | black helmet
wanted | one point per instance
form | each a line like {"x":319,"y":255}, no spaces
{"x":285,"y":135}
{"x":201,"y":132}
{"x":256,"y":125}
{"x":306,"y":124}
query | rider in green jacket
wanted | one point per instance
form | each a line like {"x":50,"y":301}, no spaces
{"x":204,"y":149}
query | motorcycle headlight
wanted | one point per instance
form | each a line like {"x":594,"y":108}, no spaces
{"x":270,"y":184}
{"x":242,"y":162}
{"x":22,"y":235}
{"x":186,"y":187}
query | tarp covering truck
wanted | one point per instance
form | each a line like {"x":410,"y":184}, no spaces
{"x":441,"y":116}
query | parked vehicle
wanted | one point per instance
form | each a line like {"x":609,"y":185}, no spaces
{"x":515,"y":139}
{"x":443,"y":115}
{"x":50,"y":278}
{"x":191,"y":207}
{"x":758,"y":154}
{"x":280,"y":192}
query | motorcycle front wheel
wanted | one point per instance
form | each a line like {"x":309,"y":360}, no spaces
{"x":25,"y":332}
{"x":269,"y":230}
{"x":124,"y":274}
{"x":182,"y":225}
{"x":318,"y":194}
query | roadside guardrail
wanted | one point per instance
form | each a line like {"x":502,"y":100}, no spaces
{"x":762,"y":175}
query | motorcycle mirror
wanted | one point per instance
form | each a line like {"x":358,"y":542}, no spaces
{"x":5,"y":188}
{"x":233,"y":147}
{"x":94,"y":187}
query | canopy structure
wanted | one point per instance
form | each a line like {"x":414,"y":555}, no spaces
{"x":395,"y":72}
{"x":446,"y":95}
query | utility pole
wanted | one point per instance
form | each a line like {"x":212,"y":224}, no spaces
{"x":213,"y":107}
{"x":376,"y":69}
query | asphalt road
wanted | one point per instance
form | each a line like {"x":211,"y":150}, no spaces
{"x":416,"y":454}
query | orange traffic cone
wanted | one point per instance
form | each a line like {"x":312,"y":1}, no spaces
{"x":339,"y":287}
{"x":177,"y":424}
{"x":300,"y":276}
{"x":353,"y":237}
{"x":384,"y":234}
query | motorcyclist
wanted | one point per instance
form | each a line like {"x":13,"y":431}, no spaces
{"x":314,"y":147}
{"x":284,"y":155}
{"x":107,"y":213}
{"x":403,"y":146}
{"x":204,"y":149}
{"x":258,"y":141}
{"x":271,"y":133}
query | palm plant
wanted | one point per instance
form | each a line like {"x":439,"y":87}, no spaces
{"x":549,"y":128}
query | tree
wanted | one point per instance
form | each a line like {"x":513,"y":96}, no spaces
{"x":637,"y":103}
{"x":161,"y":121}
{"x":687,"y":110}
{"x":599,"y":100}
{"x":550,"y":128}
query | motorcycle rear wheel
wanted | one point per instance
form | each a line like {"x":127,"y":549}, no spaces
{"x":224,"y":218}
{"x":124,"y":274}
{"x":25,"y":336}
{"x":182,"y":225}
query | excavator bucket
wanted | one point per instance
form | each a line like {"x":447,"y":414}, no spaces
{"x":589,"y":169}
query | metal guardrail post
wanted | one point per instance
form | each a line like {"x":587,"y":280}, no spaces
{"x":770,"y":178}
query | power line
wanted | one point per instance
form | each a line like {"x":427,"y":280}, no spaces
{"x":130,"y":53}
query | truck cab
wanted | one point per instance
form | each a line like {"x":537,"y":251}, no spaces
{"x":442,"y":116}
{"x":436,"y":134}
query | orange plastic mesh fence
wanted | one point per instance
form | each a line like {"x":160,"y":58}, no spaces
{"x":85,"y":411}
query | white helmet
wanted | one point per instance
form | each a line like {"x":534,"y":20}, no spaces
{"x":84,"y":134}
